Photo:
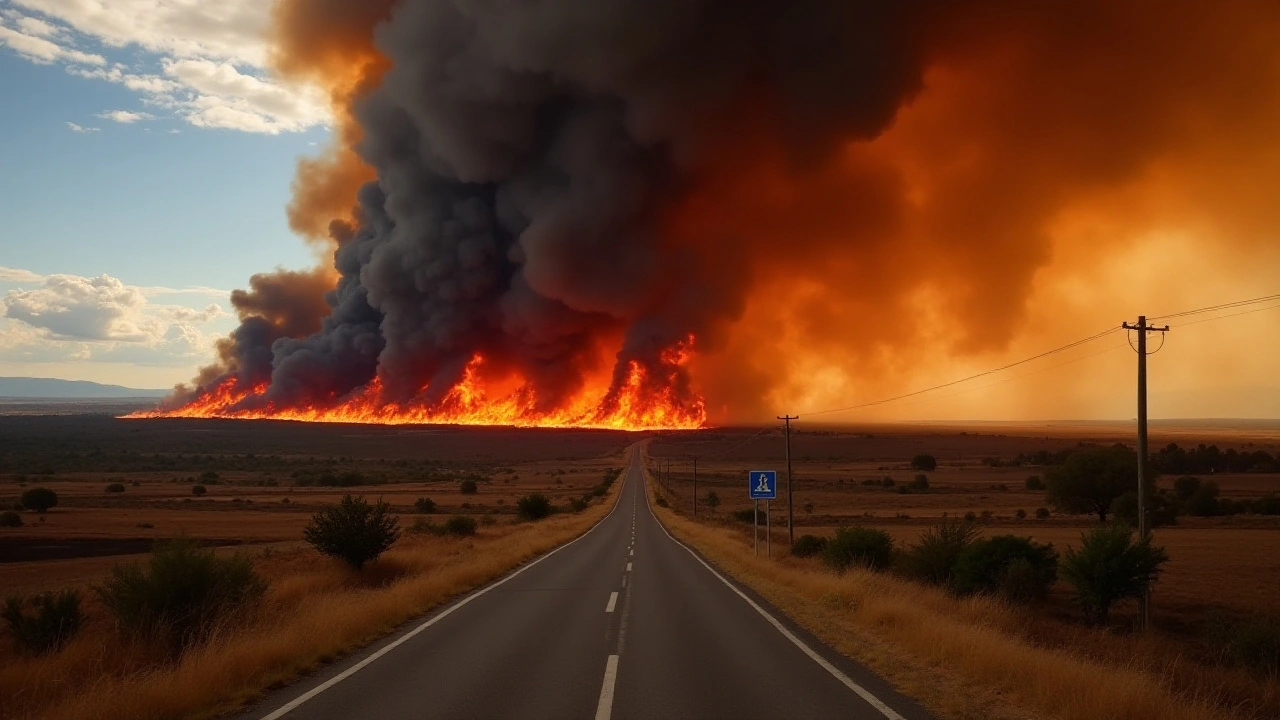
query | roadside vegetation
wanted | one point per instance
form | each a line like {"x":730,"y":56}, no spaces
{"x":191,"y":631}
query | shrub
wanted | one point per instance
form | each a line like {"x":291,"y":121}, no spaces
{"x":1186,"y":486}
{"x":199,"y":490}
{"x":1042,"y":513}
{"x":1020,"y":514}
{"x":1204,"y":502}
{"x":39,"y":499}
{"x":926,"y":463}
{"x":425,"y":506}
{"x":115,"y":487}
{"x":807,"y":507}
{"x":353,"y":530}
{"x":920,"y":482}
{"x":808,"y":546}
{"x":988,"y":566}
{"x":180,"y":596}
{"x":662,"y":502}
{"x":1034,"y":483}
{"x":933,"y":559}
{"x":1253,"y":643}
{"x":1159,"y":512}
{"x":577,"y":504}
{"x":858,"y":546}
{"x":713,"y":500}
{"x":971,"y":516}
{"x":468,"y":487}
{"x":534,"y":506}
{"x":55,"y":619}
{"x":209,"y":477}
{"x":9,"y":518}
{"x":886,"y":481}
{"x":1110,"y":566}
{"x":460,"y":525}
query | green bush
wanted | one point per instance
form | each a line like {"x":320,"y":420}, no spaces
{"x":1160,"y":512}
{"x":534,"y":506}
{"x":209,"y":477}
{"x":1186,"y":486}
{"x":39,"y":499}
{"x":1110,"y":566}
{"x":468,"y":487}
{"x":920,"y":482}
{"x":860,"y":547}
{"x":1034,"y":483}
{"x":1020,"y":514}
{"x":886,"y":481}
{"x":661,"y":502}
{"x":424,"y":505}
{"x":199,"y":490}
{"x":55,"y":618}
{"x":926,"y":463}
{"x":1253,"y":643}
{"x":988,"y":566}
{"x":115,"y":488}
{"x":971,"y":516}
{"x":1204,"y":501}
{"x":933,"y":559}
{"x":9,"y":518}
{"x":578,"y":504}
{"x":713,"y":500}
{"x":354,"y":530}
{"x":1042,"y":513}
{"x":460,"y":525}
{"x":808,"y":546}
{"x":182,"y":593}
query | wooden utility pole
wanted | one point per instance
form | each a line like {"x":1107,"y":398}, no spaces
{"x":791,"y":518}
{"x":1144,"y":606}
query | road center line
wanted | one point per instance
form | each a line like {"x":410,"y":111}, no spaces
{"x":604,"y":708}
{"x":628,"y":567}
{"x":613,"y":601}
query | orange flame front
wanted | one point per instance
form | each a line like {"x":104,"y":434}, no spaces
{"x":633,"y":406}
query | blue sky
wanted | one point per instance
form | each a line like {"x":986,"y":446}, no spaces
{"x":146,"y":144}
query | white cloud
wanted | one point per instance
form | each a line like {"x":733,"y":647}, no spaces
{"x":125,"y":116}
{"x":44,"y":51}
{"x":202,"y":62}
{"x":81,"y":129}
{"x":102,"y":319}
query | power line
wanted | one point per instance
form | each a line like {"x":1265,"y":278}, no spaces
{"x":1220,"y":317}
{"x":1223,"y":306}
{"x":984,"y":373}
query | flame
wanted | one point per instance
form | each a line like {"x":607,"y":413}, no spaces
{"x":639,"y":403}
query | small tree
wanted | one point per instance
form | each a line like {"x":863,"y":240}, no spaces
{"x":924,"y":463}
{"x":1186,"y":486}
{"x":1034,"y":483}
{"x":39,"y":499}
{"x":460,"y":525}
{"x":354,"y":530}
{"x":199,"y":490}
{"x":533,"y":507}
{"x":713,"y":500}
{"x":1092,"y":478}
{"x":1110,"y":566}
{"x":468,"y":487}
{"x":115,"y":488}
{"x":9,"y":518}
{"x":55,"y":618}
{"x":1204,"y":501}
{"x":1015,"y":567}
{"x":424,"y":505}
{"x":934,"y":558}
{"x":920,"y":482}
{"x":1042,"y":513}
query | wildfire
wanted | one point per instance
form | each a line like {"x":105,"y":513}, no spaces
{"x":635,"y":405}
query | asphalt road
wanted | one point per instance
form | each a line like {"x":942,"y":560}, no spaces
{"x":624,"y":622}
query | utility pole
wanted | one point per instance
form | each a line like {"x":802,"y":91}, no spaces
{"x":1144,"y":606}
{"x":695,"y":486}
{"x":791,"y":518}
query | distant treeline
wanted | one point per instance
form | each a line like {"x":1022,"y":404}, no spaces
{"x":1169,"y":460}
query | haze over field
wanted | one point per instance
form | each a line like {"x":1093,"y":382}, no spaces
{"x":654,"y":214}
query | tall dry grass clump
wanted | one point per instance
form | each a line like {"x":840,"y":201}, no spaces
{"x":314,"y":610}
{"x":979,"y":656}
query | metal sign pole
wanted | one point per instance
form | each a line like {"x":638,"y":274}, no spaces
{"x":768,"y":533}
{"x":755,"y":526}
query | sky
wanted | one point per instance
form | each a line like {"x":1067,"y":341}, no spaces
{"x":147,"y":163}
{"x":148,"y":154}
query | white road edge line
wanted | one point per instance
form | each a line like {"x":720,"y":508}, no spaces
{"x":301,"y":699}
{"x":847,"y":681}
{"x":613,"y":601}
{"x":604,"y":708}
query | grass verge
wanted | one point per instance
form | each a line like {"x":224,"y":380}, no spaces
{"x":316,"y":610}
{"x":967,"y":657}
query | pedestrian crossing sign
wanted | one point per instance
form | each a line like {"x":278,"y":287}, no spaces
{"x":763,"y":484}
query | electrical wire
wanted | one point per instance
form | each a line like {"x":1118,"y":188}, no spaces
{"x":1223,"y":306}
{"x":1221,"y":317}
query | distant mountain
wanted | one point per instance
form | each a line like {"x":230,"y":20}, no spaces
{"x":22,"y":387}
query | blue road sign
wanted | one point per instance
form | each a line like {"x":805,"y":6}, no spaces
{"x":763,"y":484}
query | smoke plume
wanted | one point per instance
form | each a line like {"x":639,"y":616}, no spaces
{"x":675,"y":202}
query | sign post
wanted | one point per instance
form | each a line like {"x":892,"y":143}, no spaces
{"x":762,"y":485}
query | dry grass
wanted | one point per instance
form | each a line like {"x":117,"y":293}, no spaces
{"x":315,"y":611}
{"x":977,"y":657}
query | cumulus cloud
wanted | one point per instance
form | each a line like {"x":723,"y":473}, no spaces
{"x":69,"y":317}
{"x":125,"y":116}
{"x":199,"y":62}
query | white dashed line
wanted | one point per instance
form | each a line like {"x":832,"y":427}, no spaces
{"x":604,"y":708}
{"x":628,"y":567}
{"x":613,"y":602}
